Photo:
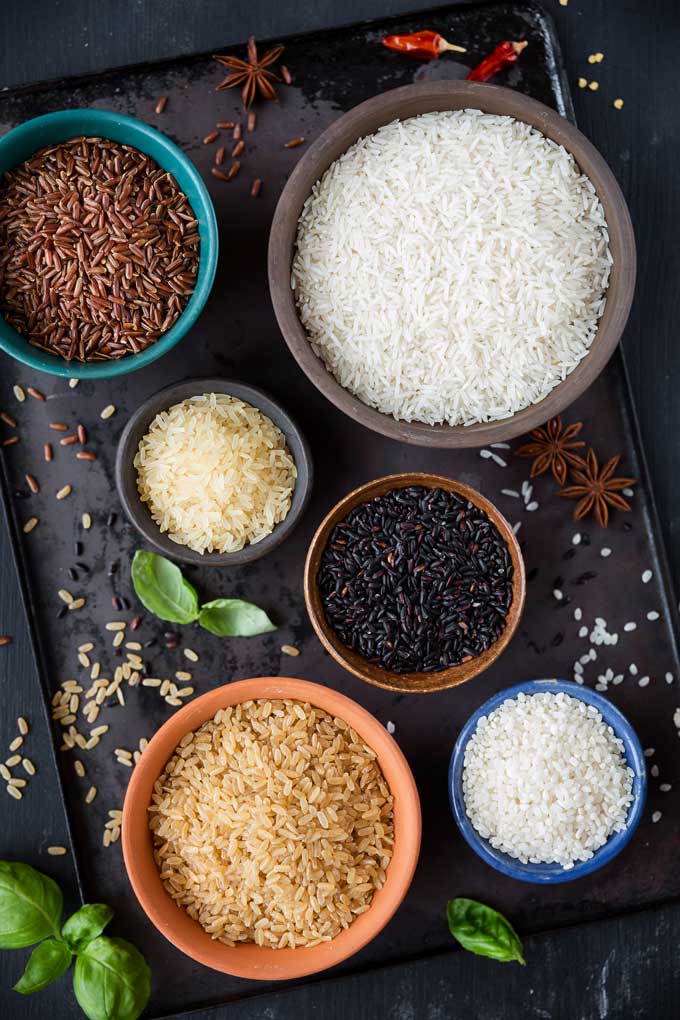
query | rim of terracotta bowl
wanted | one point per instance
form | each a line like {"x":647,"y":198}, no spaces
{"x":410,"y":101}
{"x":138,"y":512}
{"x":410,"y":683}
{"x":32,"y":135}
{"x":247,"y":960}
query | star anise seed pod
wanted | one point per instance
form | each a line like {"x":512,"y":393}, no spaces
{"x":596,"y":489}
{"x":251,"y":74}
{"x":552,"y":449}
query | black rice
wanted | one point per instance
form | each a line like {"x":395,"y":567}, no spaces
{"x":416,"y":580}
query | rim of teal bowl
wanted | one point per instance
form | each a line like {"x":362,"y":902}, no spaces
{"x":27,"y":138}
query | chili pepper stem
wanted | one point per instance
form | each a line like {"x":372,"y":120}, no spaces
{"x":444,"y":45}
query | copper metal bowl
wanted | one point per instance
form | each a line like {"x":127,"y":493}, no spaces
{"x":410,"y":101}
{"x":412,"y":683}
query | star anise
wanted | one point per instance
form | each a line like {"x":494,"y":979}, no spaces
{"x":552,"y":449}
{"x":251,"y":74}
{"x":596,"y":489}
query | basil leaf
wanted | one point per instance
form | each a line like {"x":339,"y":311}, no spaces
{"x":47,"y":962}
{"x":162,"y":589}
{"x":86,"y":924}
{"x":111,"y":980}
{"x":234,"y":618}
{"x":482,"y":930}
{"x":30,"y":905}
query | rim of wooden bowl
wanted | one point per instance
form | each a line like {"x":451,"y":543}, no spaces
{"x":410,"y":683}
{"x":410,"y":101}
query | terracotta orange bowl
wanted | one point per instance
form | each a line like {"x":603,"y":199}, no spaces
{"x":410,"y":683}
{"x":246,"y":959}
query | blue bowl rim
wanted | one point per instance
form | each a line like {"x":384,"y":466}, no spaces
{"x":550,"y":873}
{"x":209,"y":252}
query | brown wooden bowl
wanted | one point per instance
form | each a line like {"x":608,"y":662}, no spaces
{"x":410,"y":683}
{"x":409,"y":101}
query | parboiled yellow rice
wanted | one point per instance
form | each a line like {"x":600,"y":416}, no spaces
{"x":273,"y":824}
{"x":215,"y":472}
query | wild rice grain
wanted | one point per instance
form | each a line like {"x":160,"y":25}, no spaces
{"x":255,"y":187}
{"x":409,"y":608}
{"x":47,"y":452}
{"x":294,"y":142}
{"x":211,"y":137}
{"x":252,"y":120}
{"x":161,"y":104}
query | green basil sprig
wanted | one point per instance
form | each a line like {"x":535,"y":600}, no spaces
{"x":165,"y":592}
{"x":482,"y":930}
{"x":30,"y":906}
{"x":234,"y":618}
{"x":162,"y":589}
{"x":111,"y":979}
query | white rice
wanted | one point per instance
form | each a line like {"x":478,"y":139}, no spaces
{"x":216,"y":473}
{"x":545,"y":779}
{"x":452,"y":267}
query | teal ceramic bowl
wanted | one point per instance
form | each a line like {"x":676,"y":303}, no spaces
{"x":20,"y":143}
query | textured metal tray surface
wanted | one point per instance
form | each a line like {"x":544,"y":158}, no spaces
{"x":237,"y":337}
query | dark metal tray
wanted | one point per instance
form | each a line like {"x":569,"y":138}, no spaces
{"x":237,"y":337}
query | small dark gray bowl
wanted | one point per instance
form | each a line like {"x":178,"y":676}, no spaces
{"x":138,"y":511}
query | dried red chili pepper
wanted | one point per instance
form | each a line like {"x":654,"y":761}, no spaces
{"x":506,"y":53}
{"x":426,"y":44}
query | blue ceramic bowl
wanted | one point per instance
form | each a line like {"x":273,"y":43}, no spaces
{"x":20,"y":143}
{"x":550,"y":873}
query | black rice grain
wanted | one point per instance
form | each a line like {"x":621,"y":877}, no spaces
{"x":416,"y":580}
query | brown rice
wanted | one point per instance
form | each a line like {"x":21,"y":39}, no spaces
{"x":273,"y":824}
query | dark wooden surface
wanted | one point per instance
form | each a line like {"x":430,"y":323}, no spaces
{"x":624,"y":968}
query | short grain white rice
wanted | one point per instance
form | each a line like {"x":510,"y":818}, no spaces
{"x":545,"y":779}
